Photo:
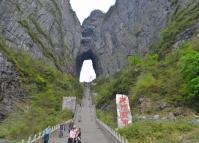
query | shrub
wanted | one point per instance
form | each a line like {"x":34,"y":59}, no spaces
{"x":134,"y":60}
{"x":107,"y":117}
{"x":190,"y":70}
{"x":146,"y":83}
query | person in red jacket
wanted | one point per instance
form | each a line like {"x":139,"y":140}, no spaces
{"x":78,"y":136}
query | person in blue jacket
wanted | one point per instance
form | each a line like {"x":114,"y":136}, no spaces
{"x":46,"y":133}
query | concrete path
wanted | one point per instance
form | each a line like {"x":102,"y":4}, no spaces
{"x":85,"y":119}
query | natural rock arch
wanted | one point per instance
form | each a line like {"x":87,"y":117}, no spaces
{"x":86,"y":56}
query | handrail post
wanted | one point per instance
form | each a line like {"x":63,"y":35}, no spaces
{"x":34,"y":138}
{"x":29,"y":139}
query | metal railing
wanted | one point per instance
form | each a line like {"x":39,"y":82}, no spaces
{"x":38,"y":138}
{"x":115,"y":136}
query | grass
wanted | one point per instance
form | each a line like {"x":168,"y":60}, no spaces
{"x":108,"y":118}
{"x":45,"y":86}
{"x":157,"y":132}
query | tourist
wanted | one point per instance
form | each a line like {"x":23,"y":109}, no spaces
{"x":70,"y":126}
{"x":46,"y":133}
{"x":78,"y":136}
{"x":61,"y":129}
{"x":72,"y":135}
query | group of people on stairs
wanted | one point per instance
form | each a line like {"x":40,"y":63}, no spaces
{"x":74,"y":135}
{"x":73,"y":131}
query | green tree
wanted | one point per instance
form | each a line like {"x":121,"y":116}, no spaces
{"x":190,"y":70}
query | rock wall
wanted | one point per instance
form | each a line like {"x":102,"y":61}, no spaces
{"x":46,"y":29}
{"x":49,"y":30}
{"x":10,"y":93}
{"x":129,"y":28}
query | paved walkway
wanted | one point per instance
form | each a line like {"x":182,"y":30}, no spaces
{"x":85,"y":119}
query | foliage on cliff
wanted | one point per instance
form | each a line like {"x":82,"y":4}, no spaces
{"x":173,"y":80}
{"x":168,"y":75}
{"x":44,"y":86}
{"x":182,"y":19}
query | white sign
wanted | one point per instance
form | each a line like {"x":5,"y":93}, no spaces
{"x":124,"y":116}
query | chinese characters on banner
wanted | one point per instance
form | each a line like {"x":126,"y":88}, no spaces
{"x":124,"y":116}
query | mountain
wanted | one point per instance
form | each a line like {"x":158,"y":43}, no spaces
{"x":131,"y":27}
{"x":43,"y":46}
{"x":47,"y":30}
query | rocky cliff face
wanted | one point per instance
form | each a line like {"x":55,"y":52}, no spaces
{"x":9,"y":91}
{"x":49,"y":30}
{"x":129,"y":28}
{"x":90,"y":41}
{"x":46,"y":29}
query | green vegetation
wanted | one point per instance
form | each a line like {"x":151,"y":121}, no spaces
{"x":154,"y":132}
{"x":108,"y":88}
{"x":173,"y":80}
{"x":181,"y":19}
{"x":107,"y":117}
{"x":190,"y":70}
{"x":45,"y":86}
{"x":164,"y":76}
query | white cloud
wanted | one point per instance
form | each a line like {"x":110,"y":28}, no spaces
{"x":87,"y":72}
{"x":83,"y":8}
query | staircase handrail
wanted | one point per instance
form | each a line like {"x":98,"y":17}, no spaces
{"x":37,"y":138}
{"x":111,"y":132}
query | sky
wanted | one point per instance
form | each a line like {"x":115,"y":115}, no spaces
{"x":87,"y":73}
{"x":83,"y":8}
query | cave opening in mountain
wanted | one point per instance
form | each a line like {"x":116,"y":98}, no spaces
{"x":86,"y":64}
{"x":87,"y":73}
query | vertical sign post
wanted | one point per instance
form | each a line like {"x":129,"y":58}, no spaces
{"x":124,"y":116}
